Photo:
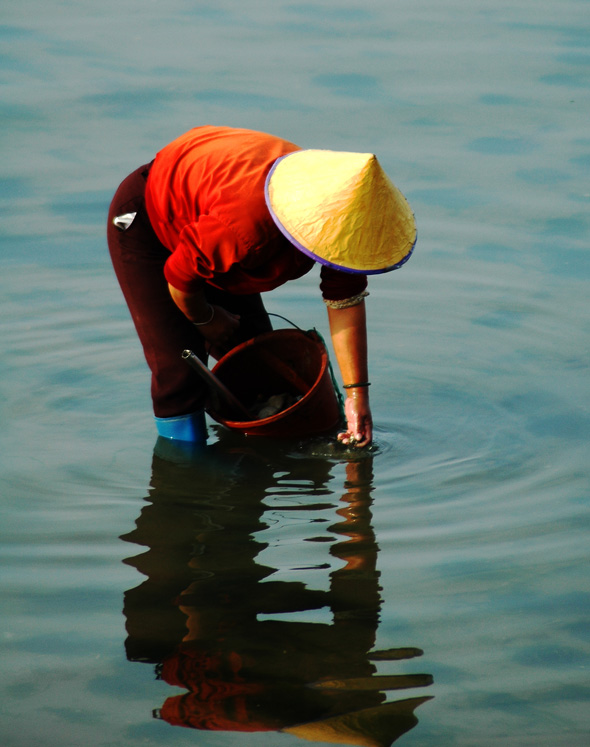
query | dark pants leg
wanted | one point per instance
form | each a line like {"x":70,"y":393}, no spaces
{"x":138,"y":259}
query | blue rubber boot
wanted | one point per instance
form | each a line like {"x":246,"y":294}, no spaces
{"x":189,"y":428}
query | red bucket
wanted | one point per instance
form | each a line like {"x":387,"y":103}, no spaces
{"x":286,"y":361}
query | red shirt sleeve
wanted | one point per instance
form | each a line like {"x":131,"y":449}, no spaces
{"x":206,"y":248}
{"x":337,"y":285}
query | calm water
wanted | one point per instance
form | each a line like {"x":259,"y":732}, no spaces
{"x":435,"y":591}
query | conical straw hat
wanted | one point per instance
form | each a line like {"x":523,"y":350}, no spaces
{"x":341,"y":209}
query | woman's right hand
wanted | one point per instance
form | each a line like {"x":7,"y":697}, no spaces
{"x":359,"y":422}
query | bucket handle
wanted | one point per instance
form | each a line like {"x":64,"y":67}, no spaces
{"x":284,"y":318}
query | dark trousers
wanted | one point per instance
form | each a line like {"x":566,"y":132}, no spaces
{"x":138,"y":258}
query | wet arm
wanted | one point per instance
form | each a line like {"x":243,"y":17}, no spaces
{"x":349,"y":338}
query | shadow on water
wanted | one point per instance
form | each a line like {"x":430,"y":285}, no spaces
{"x":203,"y":614}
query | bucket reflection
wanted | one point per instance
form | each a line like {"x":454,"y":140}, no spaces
{"x":203,"y":614}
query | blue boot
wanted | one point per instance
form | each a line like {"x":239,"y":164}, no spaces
{"x":190,"y":428}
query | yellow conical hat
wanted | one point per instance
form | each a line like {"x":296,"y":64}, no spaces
{"x":341,"y":209}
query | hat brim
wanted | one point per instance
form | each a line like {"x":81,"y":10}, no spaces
{"x":308,"y":251}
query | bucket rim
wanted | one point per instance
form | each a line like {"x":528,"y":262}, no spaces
{"x":312,"y":336}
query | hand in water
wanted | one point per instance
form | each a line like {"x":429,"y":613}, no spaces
{"x":359,"y":422}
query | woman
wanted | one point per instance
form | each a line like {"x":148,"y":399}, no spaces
{"x":222,"y":215}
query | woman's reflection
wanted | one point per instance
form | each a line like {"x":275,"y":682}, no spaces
{"x":201,"y":614}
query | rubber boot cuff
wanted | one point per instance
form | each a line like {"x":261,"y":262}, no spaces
{"x":191,"y":428}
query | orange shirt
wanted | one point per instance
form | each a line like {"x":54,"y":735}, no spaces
{"x":205,"y":201}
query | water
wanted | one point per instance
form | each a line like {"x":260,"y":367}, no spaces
{"x":459,"y":547}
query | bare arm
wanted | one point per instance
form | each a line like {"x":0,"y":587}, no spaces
{"x":348,"y":328}
{"x":215,"y":323}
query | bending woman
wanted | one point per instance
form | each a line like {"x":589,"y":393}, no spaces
{"x":222,"y":215}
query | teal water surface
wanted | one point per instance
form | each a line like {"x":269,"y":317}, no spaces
{"x":434,"y":590}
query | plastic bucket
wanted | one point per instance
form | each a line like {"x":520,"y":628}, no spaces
{"x":285,"y":361}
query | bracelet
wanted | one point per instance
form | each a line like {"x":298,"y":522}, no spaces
{"x":200,"y":324}
{"x":346,"y":303}
{"x":355,"y":386}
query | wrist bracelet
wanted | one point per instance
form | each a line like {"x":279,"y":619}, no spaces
{"x":208,"y":321}
{"x":355,"y":386}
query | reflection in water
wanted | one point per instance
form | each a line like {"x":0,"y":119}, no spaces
{"x":203,"y":615}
